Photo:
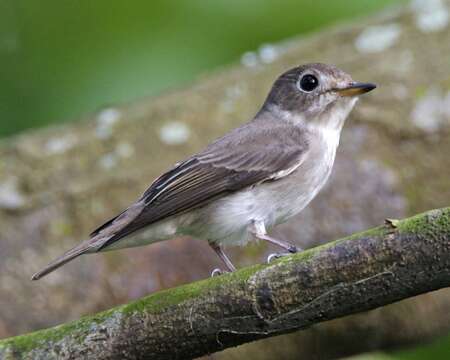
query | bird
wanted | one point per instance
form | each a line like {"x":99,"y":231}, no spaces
{"x":246,"y":182}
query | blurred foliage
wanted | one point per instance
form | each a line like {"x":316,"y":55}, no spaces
{"x":437,"y":350}
{"x":61,"y":59}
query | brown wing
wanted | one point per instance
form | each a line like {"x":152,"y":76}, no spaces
{"x":224,"y":167}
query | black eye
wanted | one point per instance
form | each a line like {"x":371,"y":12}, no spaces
{"x":308,"y":83}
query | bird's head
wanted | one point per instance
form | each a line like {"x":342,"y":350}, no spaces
{"x":315,"y":94}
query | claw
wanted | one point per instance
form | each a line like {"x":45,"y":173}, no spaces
{"x":275,"y":256}
{"x":217,"y":272}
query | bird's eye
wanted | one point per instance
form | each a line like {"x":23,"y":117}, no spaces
{"x":308,"y":83}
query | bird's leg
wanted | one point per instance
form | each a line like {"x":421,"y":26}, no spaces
{"x":258,"y":230}
{"x":219,"y":251}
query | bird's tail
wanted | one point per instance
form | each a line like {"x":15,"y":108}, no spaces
{"x":63,"y":259}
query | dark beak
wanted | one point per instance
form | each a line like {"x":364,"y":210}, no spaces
{"x":355,"y":89}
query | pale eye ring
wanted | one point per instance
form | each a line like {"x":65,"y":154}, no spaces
{"x":308,"y":83}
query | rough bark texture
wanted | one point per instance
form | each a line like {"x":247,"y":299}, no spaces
{"x":58,"y":184}
{"x":364,"y":271}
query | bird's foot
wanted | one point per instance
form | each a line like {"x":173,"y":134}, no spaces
{"x":217,"y":272}
{"x":275,"y":256}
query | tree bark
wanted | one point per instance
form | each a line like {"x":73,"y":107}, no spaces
{"x":400,"y":259}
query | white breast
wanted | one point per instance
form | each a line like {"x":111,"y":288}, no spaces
{"x":227,"y":219}
{"x":330,"y":138}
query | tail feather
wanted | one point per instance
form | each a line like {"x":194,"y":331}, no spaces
{"x":115,"y":229}
{"x":63,"y":259}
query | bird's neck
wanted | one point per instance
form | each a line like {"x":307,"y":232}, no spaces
{"x":280,"y":114}
{"x":333,"y":117}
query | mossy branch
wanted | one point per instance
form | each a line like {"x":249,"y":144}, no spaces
{"x":395,"y":261}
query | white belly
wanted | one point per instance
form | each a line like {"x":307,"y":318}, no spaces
{"x":226,"y":220}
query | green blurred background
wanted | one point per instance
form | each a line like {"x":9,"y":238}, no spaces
{"x":62,"y":59}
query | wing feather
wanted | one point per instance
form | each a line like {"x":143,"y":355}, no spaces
{"x":224,"y":167}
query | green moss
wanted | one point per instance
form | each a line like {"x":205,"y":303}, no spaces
{"x":175,"y":296}
{"x":374,"y":232}
{"x":165,"y":298}
{"x":81,"y":328}
{"x":308,"y":254}
{"x":438,"y":219}
{"x":77,"y":329}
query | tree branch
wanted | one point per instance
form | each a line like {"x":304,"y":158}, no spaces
{"x":377,"y":267}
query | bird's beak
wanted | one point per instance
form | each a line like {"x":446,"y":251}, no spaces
{"x":355,"y":89}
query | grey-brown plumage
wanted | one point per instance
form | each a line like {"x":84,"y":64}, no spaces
{"x":227,"y":165}
{"x":254,"y":177}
